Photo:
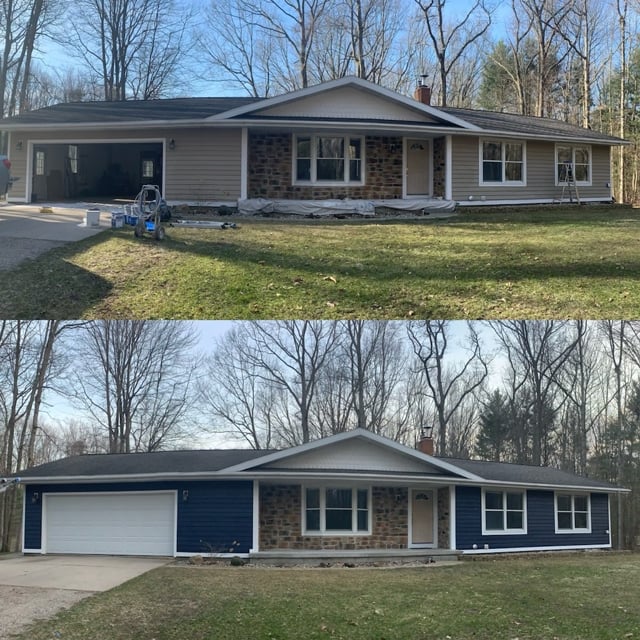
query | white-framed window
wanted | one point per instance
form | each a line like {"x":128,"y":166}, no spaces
{"x":504,"y":511}
{"x":148,"y":169}
{"x":328,"y":159}
{"x":72,"y":154}
{"x":573,"y":512}
{"x":573,"y":161}
{"x":40,"y":163}
{"x":502,"y":162}
{"x":336,"y":510}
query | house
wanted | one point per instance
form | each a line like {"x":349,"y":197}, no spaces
{"x":343,"y":140}
{"x":351,"y":494}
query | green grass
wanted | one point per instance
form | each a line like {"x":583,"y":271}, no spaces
{"x":528,"y":263}
{"x":561,"y":598}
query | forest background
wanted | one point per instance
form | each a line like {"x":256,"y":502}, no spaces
{"x":575,"y":60}
{"x":558,"y":393}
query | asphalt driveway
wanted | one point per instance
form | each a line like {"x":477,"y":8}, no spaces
{"x":25,"y":232}
{"x":37,"y":587}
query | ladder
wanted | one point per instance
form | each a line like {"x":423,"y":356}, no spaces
{"x":568,"y":180}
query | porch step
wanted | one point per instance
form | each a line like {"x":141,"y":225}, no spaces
{"x":354,"y":557}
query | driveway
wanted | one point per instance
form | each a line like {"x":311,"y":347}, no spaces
{"x":36,"y":587}
{"x":25,"y":232}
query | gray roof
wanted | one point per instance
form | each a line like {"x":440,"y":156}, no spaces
{"x":212,"y":460}
{"x":129,"y":111}
{"x":177,"y":109}
{"x":157,"y":462}
{"x":527,"y":125}
{"x":527,"y":474}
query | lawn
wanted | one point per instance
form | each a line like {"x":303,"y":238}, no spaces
{"x":529,"y":263}
{"x":555,"y":598}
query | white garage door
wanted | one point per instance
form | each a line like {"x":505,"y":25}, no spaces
{"x":117,"y":524}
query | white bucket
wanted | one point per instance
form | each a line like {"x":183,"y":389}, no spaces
{"x":92,"y":218}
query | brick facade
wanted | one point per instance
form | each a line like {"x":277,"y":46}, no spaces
{"x":281,"y":521}
{"x":270,"y":170}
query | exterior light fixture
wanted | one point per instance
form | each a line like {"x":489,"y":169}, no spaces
{"x":35,"y":496}
{"x":172,"y":144}
{"x":19,"y":145}
{"x":185,"y":495}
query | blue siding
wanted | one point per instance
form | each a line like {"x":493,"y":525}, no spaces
{"x":214,"y":515}
{"x":540,"y":522}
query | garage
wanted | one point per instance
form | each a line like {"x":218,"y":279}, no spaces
{"x":96,"y":169}
{"x":110,"y":523}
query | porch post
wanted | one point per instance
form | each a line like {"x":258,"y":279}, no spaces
{"x":448,"y":168}
{"x":256,"y":517}
{"x":452,"y":517}
{"x":244,"y":162}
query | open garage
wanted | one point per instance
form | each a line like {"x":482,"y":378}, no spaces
{"x":94,"y":169}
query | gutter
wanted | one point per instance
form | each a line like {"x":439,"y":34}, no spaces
{"x":315,"y":476}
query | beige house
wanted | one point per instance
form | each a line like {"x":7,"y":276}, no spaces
{"x":343,"y":139}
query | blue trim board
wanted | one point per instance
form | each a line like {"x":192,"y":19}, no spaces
{"x":540,"y":523}
{"x":214,"y":515}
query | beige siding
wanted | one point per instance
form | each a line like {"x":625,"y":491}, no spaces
{"x":347,"y":102}
{"x":205,"y":164}
{"x":540,"y":174}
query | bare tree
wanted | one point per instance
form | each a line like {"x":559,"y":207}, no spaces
{"x":134,"y":379}
{"x":450,"y":42}
{"x":27,"y":366}
{"x":134,"y":46}
{"x":447,"y":386}
{"x":536,"y":351}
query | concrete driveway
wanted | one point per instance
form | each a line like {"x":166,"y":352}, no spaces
{"x":37,"y":587}
{"x":25,"y":232}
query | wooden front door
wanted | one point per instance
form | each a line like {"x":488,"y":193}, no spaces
{"x":422,"y":518}
{"x":418,"y":169}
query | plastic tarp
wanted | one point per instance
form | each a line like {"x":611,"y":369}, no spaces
{"x":254,"y":206}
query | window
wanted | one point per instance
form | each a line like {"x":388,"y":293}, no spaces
{"x":328,"y":159}
{"x":503,"y":512}
{"x":40,"y":163}
{"x":573,"y":513}
{"x":574,"y":160}
{"x":72,"y":154}
{"x":334,"y":510}
{"x":148,"y":169}
{"x":502,"y":162}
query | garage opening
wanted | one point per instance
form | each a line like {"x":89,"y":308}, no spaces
{"x":114,"y":523}
{"x":97,"y":170}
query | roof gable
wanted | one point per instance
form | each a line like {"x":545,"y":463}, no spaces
{"x":347,"y":98}
{"x":354,"y":451}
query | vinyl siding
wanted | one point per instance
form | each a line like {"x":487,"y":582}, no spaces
{"x":540,"y":173}
{"x":214,"y":515}
{"x":205,"y":165}
{"x":540,"y":523}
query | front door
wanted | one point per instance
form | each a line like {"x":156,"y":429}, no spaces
{"x":418,"y":169}
{"x":422,"y":518}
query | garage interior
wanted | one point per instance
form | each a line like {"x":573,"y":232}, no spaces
{"x":94,"y":170}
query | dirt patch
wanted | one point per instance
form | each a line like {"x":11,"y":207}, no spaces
{"x":22,"y":606}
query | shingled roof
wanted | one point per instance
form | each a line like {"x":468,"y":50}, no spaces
{"x":172,"y":463}
{"x":129,"y":111}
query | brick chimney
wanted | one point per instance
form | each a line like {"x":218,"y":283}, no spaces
{"x":425,"y":444}
{"x":422,"y":92}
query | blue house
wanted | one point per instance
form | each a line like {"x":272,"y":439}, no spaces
{"x":352,"y":494}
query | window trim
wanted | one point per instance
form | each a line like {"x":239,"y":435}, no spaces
{"x":313,"y":181}
{"x":572,"y":146}
{"x":572,"y":495}
{"x":503,"y":182}
{"x":503,"y":532}
{"x":323,"y":531}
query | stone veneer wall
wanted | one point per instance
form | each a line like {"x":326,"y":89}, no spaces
{"x":270,"y":167}
{"x":439,"y":167}
{"x":281,"y":521}
{"x":443,"y":518}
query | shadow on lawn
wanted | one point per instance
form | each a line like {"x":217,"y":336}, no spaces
{"x":50,"y":286}
{"x":460,"y":261}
